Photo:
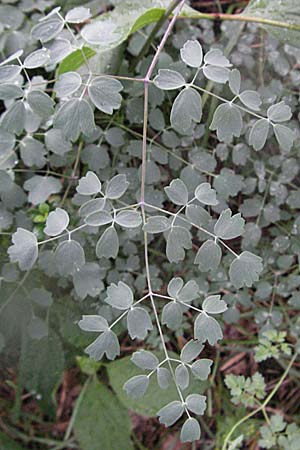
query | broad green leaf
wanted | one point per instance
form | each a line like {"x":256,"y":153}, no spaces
{"x":42,"y":367}
{"x":108,"y":244}
{"x":206,"y":328}
{"x":259,"y":133}
{"x":214,"y":305}
{"x":119,"y":296}
{"x":145,"y":360}
{"x":75,"y":60}
{"x":186,"y":110}
{"x":178,"y":240}
{"x":206,"y":195}
{"x":104,"y":93}
{"x":177,"y":192}
{"x":101,"y":420}
{"x":229,"y":226}
{"x":169,"y":79}
{"x":227,"y":121}
{"x":170,"y":413}
{"x":88,"y":366}
{"x":208,"y":256}
{"x":57,"y":222}
{"x":69,"y":257}
{"x":137,"y":386}
{"x":74,"y":117}
{"x":190,"y":430}
{"x":138,"y":323}
{"x":24,"y":250}
{"x":191,"y":53}
{"x":89,"y":184}
{"x":105,"y":344}
{"x":245,"y":269}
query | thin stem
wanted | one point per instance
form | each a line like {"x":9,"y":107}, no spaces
{"x":119,"y":77}
{"x":153,"y":33}
{"x":67,"y":233}
{"x":76,"y":41}
{"x":143,"y":180}
{"x":169,"y":151}
{"x":242,"y":18}
{"x":48,"y":172}
{"x":77,"y":160}
{"x":230,"y":102}
{"x":125,"y":312}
